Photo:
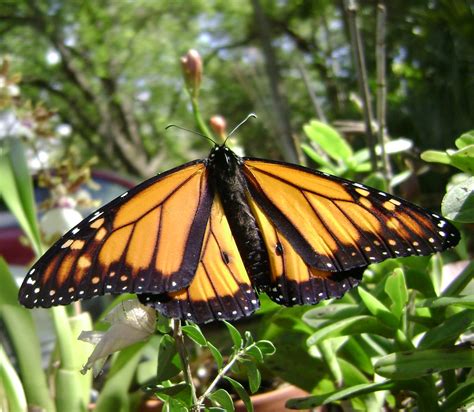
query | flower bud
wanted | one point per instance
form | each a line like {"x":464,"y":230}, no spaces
{"x":219,"y":125}
{"x":191,"y":64}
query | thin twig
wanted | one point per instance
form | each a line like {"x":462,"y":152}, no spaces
{"x":183,"y":355}
{"x":382,"y":92}
{"x":312,"y":95}
{"x":361,"y":70}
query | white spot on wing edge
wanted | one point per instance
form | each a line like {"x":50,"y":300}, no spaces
{"x":96,"y":215}
{"x":75,"y":230}
{"x":124,"y":194}
{"x":30,"y":281}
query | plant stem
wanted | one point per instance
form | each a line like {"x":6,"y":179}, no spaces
{"x":183,"y":355}
{"x":201,"y":124}
{"x":382,"y":91}
{"x":222,"y":373}
{"x":361,"y":70}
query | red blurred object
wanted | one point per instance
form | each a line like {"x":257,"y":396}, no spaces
{"x":11,"y":247}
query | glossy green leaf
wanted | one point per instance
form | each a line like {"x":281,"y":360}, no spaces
{"x":254,"y":376}
{"x":241,"y":392}
{"x":266,"y":347}
{"x":462,"y":398}
{"x":12,"y":395}
{"x":17,"y":189}
{"x":234,"y":334}
{"x":448,"y":331}
{"x":169,"y":364}
{"x":18,"y":323}
{"x":335,"y":311}
{"x":466,"y":139}
{"x":318,"y":159}
{"x":396,"y":289}
{"x":463,"y":301}
{"x":194,"y":333}
{"x":220,"y":397}
{"x":378,"y":309}
{"x":255,"y":352}
{"x":413,"y":364}
{"x":329,"y":139}
{"x":458,"y":203}
{"x":356,"y":390}
{"x":351,"y":326}
{"x":216,"y":355}
{"x":171,"y":390}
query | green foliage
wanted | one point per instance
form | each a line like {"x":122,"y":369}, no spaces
{"x":333,"y":154}
{"x":245,"y":355}
{"x":458,"y":203}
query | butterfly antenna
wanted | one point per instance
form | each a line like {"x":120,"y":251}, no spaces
{"x":190,"y":131}
{"x":253,"y":115}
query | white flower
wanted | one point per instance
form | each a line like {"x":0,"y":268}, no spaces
{"x":57,"y":221}
{"x":130,"y":321}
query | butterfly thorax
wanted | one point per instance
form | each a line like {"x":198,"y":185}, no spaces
{"x":228,"y":183}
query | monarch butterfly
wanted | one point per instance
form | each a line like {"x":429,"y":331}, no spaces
{"x":198,"y":242}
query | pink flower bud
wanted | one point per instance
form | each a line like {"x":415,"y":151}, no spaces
{"x":191,"y":64}
{"x":219,"y":125}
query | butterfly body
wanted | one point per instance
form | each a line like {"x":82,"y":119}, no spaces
{"x":200,"y":241}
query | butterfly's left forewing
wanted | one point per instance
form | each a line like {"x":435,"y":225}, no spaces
{"x":221,"y":288}
{"x":147,"y":240}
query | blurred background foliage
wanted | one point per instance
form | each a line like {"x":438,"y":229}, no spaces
{"x":110,"y":70}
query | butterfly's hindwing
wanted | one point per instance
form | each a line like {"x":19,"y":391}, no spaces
{"x":292,"y":280}
{"x":221,"y":288}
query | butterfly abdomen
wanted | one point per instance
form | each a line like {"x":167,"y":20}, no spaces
{"x":228,"y":182}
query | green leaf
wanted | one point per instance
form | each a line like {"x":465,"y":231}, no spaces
{"x":255,"y":352}
{"x":463,"y":159}
{"x":329,"y":139}
{"x":435,"y":156}
{"x":335,"y":311}
{"x":458,"y":203}
{"x":413,"y":364}
{"x":329,"y":354}
{"x":234,"y":334}
{"x":466,"y":139}
{"x":169,"y":364}
{"x":464,"y":301}
{"x":17,"y":189}
{"x":18,"y":323}
{"x":396,"y":289}
{"x":357,"y":390}
{"x":254,"y":376}
{"x":318,"y":159}
{"x":194,"y":333}
{"x":266,"y":347}
{"x":171,"y":390}
{"x":12,"y":388}
{"x":241,"y":392}
{"x":114,"y":395}
{"x":378,"y":309}
{"x":448,"y":331}
{"x":351,"y":326}
{"x":461,"y":398}
{"x":216,"y":355}
{"x":220,"y":397}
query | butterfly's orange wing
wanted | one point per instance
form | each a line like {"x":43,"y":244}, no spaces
{"x":221,"y":288}
{"x":337,"y":225}
{"x":147,"y":240}
{"x":292,"y":280}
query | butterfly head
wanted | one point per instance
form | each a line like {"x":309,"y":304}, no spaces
{"x":223,"y":158}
